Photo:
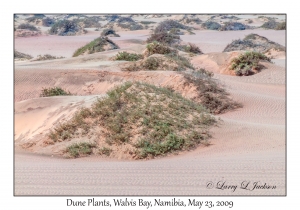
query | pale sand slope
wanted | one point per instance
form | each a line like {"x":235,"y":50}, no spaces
{"x":248,"y":146}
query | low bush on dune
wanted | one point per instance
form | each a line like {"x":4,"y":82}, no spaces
{"x":158,"y":56}
{"x":80,"y":149}
{"x":105,"y":151}
{"x":91,"y":22}
{"x":281,"y":26}
{"x":164,"y":37}
{"x":233,"y":26}
{"x":248,"y":63}
{"x":169,"y":25}
{"x":167,"y":32}
{"x":56,"y":91}
{"x":97,"y":45}
{"x":112,"y":18}
{"x":253,"y":42}
{"x":189,"y":48}
{"x":27,"y":26}
{"x":190,"y":20}
{"x":152,"y":63}
{"x":250,"y":21}
{"x":34,"y":19}
{"x":158,"y":48}
{"x":151,"y":121}
{"x":125,"y":56}
{"x":209,"y":93}
{"x":74,"y":16}
{"x":67,"y":28}
{"x":210,"y":25}
{"x":48,"y":22}
{"x":167,"y":62}
{"x":47,"y":57}
{"x":108,"y":32}
{"x":128,"y":23}
{"x":39,"y":15}
{"x":19,"y":55}
{"x":147,"y":22}
{"x":232,"y":17}
{"x":182,"y":62}
{"x":123,"y":22}
{"x":272,"y":24}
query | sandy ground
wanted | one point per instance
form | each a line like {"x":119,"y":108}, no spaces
{"x":248,"y":146}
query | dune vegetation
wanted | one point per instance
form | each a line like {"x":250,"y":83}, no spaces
{"x":152,"y":121}
{"x":97,"y":45}
{"x":248,"y":63}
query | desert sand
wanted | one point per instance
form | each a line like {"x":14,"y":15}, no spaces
{"x":249,"y":145}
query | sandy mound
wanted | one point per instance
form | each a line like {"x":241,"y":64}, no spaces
{"x":34,"y":117}
{"x":136,"y":120}
{"x":253,"y":42}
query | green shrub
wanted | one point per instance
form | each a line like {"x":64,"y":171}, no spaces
{"x":163,"y":37}
{"x":271,"y":24}
{"x":281,"y":26}
{"x":202,"y":73}
{"x":210,"y":25}
{"x":66,"y":28}
{"x":158,"y":48}
{"x":181,"y":61}
{"x":34,"y":19}
{"x":209,"y":93}
{"x":39,"y":15}
{"x":147,"y":22}
{"x":97,"y":45}
{"x":233,"y":26}
{"x":80,"y":149}
{"x":27,"y":26}
{"x":128,"y":56}
{"x":47,"y":57}
{"x":168,"y":25}
{"x":19,"y":55}
{"x":253,"y":42}
{"x":245,"y":63}
{"x":128,"y":23}
{"x":107,"y":32}
{"x":90,"y":22}
{"x":152,"y":63}
{"x":56,"y":91}
{"x":105,"y":151}
{"x":48,"y":22}
{"x":189,"y":48}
